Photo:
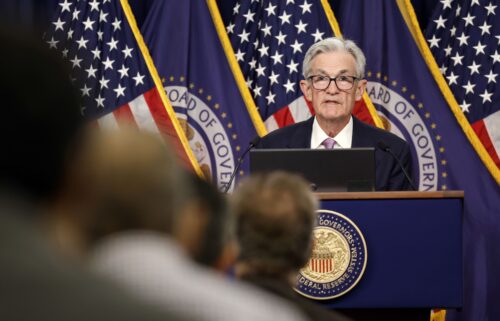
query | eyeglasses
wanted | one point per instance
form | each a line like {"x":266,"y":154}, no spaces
{"x":342,"y":82}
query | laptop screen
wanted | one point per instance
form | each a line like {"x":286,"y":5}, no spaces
{"x":334,"y":170}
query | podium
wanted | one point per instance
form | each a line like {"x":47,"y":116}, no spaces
{"x":414,"y":253}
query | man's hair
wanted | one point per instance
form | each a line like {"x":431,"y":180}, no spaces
{"x":41,"y":118}
{"x":135,"y":183}
{"x":219,"y":228}
{"x":334,"y":44}
{"x":275,"y":215}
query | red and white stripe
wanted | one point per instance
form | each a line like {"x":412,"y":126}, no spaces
{"x":298,"y":110}
{"x":146,"y":112}
{"x":488,"y":131}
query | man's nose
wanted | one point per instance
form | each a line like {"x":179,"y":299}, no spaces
{"x":332,"y":88}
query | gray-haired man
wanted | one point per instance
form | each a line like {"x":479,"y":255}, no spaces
{"x":333,"y":71}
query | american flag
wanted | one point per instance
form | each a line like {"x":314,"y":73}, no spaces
{"x":270,"y":39}
{"x":464,"y":37}
{"x":110,"y":69}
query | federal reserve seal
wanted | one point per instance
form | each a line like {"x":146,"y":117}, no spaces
{"x":404,"y":115}
{"x":206,"y":133}
{"x":338,"y":258}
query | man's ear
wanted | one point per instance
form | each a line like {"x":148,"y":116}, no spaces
{"x":360,"y":89}
{"x":306,"y":89}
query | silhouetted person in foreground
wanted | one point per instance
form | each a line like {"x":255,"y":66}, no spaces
{"x":142,"y":233}
{"x":40,"y":135}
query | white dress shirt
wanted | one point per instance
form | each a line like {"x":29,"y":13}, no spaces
{"x":343,"y":139}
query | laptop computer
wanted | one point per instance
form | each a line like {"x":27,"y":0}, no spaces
{"x":334,"y":170}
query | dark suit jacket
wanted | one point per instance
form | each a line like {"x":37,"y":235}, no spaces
{"x":389,"y":176}
{"x":37,"y":284}
{"x":278,"y":287}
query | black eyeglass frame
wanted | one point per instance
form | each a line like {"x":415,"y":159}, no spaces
{"x":334,"y":79}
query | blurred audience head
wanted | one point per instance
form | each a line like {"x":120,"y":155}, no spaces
{"x":127,"y":180}
{"x":41,"y":117}
{"x":275,"y":214}
{"x":207,"y":228}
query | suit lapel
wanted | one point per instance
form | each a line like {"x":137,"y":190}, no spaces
{"x":359,"y":137}
{"x":301,"y":138}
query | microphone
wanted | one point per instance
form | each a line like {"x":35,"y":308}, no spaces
{"x":252,"y":144}
{"x":383,"y":146}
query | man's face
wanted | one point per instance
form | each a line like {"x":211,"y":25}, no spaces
{"x":332,"y":104}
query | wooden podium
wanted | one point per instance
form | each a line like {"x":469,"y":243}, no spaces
{"x":414,"y":253}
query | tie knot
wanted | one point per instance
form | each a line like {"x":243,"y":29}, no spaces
{"x":329,"y":143}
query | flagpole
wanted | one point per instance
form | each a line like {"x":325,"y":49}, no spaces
{"x":235,"y":68}
{"x":159,"y":86}
{"x":410,"y":19}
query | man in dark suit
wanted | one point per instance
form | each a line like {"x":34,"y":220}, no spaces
{"x":333,"y":71}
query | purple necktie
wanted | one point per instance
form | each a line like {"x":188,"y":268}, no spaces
{"x":329,"y":143}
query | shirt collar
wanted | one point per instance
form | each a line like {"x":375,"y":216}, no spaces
{"x":343,"y":138}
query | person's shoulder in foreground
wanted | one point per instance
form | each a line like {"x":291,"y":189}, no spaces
{"x":41,"y":136}
{"x":38,"y":284}
{"x":181,"y":286}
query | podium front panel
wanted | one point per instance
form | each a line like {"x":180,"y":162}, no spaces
{"x":414,"y":252}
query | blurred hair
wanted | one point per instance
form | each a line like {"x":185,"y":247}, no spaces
{"x":275,"y":214}
{"x":135,"y":183}
{"x":41,"y":116}
{"x":334,"y":44}
{"x":219,"y":229}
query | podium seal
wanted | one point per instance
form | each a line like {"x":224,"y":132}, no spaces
{"x":338,"y":258}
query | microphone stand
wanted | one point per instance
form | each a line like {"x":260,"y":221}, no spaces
{"x":383,"y":146}
{"x":252,"y":144}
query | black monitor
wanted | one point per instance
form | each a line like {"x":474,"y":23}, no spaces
{"x":335,"y":170}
